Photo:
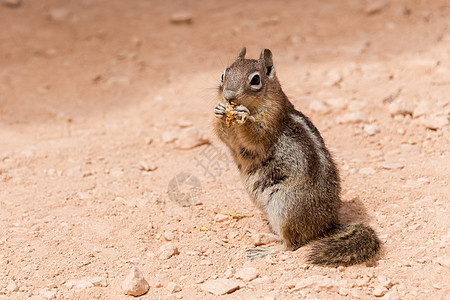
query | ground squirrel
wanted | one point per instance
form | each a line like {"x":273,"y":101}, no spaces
{"x":286,"y":167}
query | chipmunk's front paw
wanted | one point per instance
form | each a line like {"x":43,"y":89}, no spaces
{"x":241,"y":114}
{"x":220,"y":110}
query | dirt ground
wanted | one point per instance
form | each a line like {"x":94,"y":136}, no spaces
{"x":104,"y":105}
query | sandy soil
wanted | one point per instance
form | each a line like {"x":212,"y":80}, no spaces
{"x":99,"y":99}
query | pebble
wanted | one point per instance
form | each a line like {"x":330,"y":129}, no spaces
{"x":353,"y":117}
{"x":392,"y":295}
{"x":375,"y":7}
{"x":221,"y":218}
{"x":371,"y":129}
{"x":167,"y":250}
{"x":206,"y":262}
{"x":379,"y":290}
{"x":169,"y":236}
{"x":59,"y":14}
{"x":12,"y":287}
{"x":135,"y":283}
{"x":12,"y":3}
{"x":169,"y":137}
{"x":367,"y":171}
{"x":191,"y":137}
{"x":435,"y":122}
{"x":220,"y":286}
{"x":247,"y":274}
{"x":144,"y":166}
{"x":423,"y":108}
{"x":48,"y":294}
{"x":340,"y":103}
{"x":262,"y":280}
{"x":172,"y":287}
{"x":78,"y":284}
{"x":182,"y":17}
{"x":334,"y":77}
{"x":319,"y":106}
{"x":264,"y":238}
{"x":400,"y":107}
{"x":391,"y":166}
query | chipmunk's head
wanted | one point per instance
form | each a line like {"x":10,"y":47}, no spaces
{"x":248,"y":81}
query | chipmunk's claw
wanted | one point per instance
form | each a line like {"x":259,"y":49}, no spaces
{"x":220,"y":110}
{"x":241,"y":114}
{"x":263,"y":251}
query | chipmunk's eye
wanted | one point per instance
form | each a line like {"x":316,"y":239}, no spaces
{"x":255,"y":81}
{"x":223,"y":76}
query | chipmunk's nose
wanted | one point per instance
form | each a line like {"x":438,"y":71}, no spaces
{"x":229,"y":95}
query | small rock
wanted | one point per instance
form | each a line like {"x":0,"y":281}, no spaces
{"x":135,"y":283}
{"x":169,"y":137}
{"x":169,"y":236}
{"x":392,"y":295}
{"x":191,"y":137}
{"x":144,"y":166}
{"x":247,"y":274}
{"x":353,"y":117}
{"x":367,"y":171}
{"x":423,"y":108}
{"x":167,"y":251}
{"x":264,"y":238}
{"x":59,"y":14}
{"x":337,"y":102}
{"x":375,"y":7}
{"x":221,"y":218}
{"x":97,"y":281}
{"x":334,"y":77}
{"x":391,"y":166}
{"x":206,"y":262}
{"x":48,"y":294}
{"x":12,"y":287}
{"x":172,"y":287}
{"x":262,"y":280}
{"x":220,"y":286}
{"x":182,"y":17}
{"x":78,"y":284}
{"x":435,"y":122}
{"x":12,"y":3}
{"x":379,"y":291}
{"x":319,"y":106}
{"x":371,"y":129}
{"x":400,"y":107}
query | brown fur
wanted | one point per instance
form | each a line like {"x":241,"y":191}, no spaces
{"x":287,"y":169}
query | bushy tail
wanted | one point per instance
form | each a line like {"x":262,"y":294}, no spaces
{"x":346,"y":245}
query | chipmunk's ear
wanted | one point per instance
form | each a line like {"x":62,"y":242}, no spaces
{"x":266,"y":58}
{"x":242,"y":53}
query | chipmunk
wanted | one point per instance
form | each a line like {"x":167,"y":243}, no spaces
{"x":285,"y":166}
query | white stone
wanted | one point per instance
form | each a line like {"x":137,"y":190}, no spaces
{"x":59,"y":14}
{"x":78,"y":284}
{"x":337,"y":102}
{"x":319,"y":106}
{"x":168,"y":137}
{"x":400,"y":107}
{"x":12,"y":287}
{"x":191,"y":137}
{"x":423,"y":108}
{"x":379,"y":291}
{"x":367,"y":171}
{"x":264,"y":238}
{"x":352,"y":117}
{"x":391,"y":166}
{"x":172,"y":287}
{"x":182,"y":17}
{"x":318,"y":283}
{"x":220,"y":286}
{"x":371,"y":129}
{"x":167,"y":250}
{"x":247,"y":274}
{"x":135,"y":283}
{"x":48,"y":294}
{"x":435,"y":122}
{"x":221,"y":218}
{"x":169,"y":236}
{"x":262,"y":280}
